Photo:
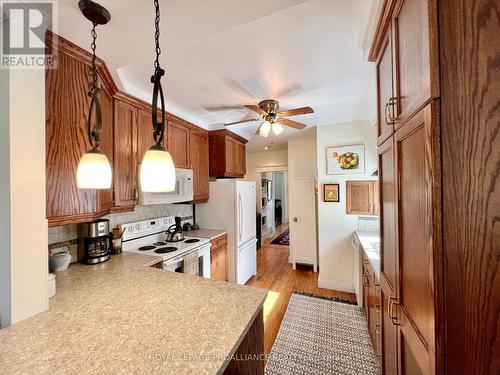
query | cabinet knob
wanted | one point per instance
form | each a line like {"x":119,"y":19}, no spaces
{"x":295,"y":219}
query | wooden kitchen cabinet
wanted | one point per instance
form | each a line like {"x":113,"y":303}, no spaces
{"x":125,"y":156}
{"x":417,"y":165}
{"x":388,"y":254}
{"x":199,"y":164}
{"x":218,"y":258}
{"x":227,"y":154}
{"x":361,"y":197}
{"x":178,"y":143}
{"x":416,"y":56}
{"x":67,"y":105}
{"x":372,"y":305}
{"x":144,"y":133}
{"x":385,"y":89}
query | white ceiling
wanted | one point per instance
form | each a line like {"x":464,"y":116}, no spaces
{"x":220,"y":53}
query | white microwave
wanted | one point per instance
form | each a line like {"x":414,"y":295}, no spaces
{"x":183,"y":190}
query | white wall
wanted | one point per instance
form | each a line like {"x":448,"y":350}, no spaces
{"x":335,"y":227}
{"x":23,"y":196}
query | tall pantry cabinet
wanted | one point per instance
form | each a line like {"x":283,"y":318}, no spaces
{"x":425,"y":242}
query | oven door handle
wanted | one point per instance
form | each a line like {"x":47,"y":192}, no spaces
{"x":173,"y":261}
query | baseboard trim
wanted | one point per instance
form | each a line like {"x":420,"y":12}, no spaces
{"x":333,"y":285}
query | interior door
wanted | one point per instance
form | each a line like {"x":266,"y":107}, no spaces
{"x":303,"y":223}
{"x":245,"y":212}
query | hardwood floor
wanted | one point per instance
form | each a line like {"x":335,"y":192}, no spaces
{"x":275,"y":274}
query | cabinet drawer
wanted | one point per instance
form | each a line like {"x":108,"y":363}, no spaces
{"x":219,"y":242}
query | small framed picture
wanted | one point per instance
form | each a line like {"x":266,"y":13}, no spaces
{"x":331,"y":193}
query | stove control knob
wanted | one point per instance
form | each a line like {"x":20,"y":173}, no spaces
{"x":138,"y":226}
{"x":130,"y":229}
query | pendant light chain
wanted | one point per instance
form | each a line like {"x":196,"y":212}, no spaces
{"x":158,"y":127}
{"x":157,"y":34}
{"x":94,"y":133}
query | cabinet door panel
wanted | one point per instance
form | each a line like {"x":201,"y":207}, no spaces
{"x":385,"y":89}
{"x":125,"y":164}
{"x":388,"y":261}
{"x":231,"y":155}
{"x":359,"y":197}
{"x":178,"y":144}
{"x":418,"y":166}
{"x":240,"y":158}
{"x":389,"y":335}
{"x":417,"y":65}
{"x":67,"y":106}
{"x":105,"y":196}
{"x":144,"y":133}
{"x":199,"y":164}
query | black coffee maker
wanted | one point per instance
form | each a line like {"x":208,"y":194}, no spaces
{"x":95,"y":244}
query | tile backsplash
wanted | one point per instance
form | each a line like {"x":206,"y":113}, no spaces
{"x":65,"y":233}
{"x":368,"y":224}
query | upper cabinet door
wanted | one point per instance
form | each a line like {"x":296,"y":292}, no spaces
{"x":144,"y":133}
{"x":231,"y":156}
{"x":241,"y":157}
{"x":178,"y":144}
{"x":125,"y":160}
{"x":417,"y":73}
{"x":360,"y":197}
{"x":67,"y":105}
{"x":199,"y":164}
{"x":385,"y":96}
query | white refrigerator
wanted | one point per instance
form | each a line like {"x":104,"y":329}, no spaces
{"x":232,"y":207}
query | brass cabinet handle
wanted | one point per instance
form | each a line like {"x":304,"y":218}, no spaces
{"x":392,"y":102}
{"x":392,"y":312}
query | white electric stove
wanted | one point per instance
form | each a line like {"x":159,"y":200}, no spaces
{"x":149,"y":237}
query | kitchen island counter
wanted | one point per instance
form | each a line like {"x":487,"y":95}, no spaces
{"x":125,"y":317}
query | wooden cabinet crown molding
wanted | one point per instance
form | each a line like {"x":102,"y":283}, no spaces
{"x":382,"y":25}
{"x":77,"y":52}
{"x":229,"y":134}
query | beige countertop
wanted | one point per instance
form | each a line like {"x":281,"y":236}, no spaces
{"x":206,"y":233}
{"x":123,"y":317}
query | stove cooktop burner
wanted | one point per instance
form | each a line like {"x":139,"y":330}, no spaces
{"x":160,"y":243}
{"x":167,"y":249}
{"x":192,"y":240}
{"x":144,"y":248}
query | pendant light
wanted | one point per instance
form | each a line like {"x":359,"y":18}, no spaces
{"x":94,"y":170}
{"x":157,"y":172}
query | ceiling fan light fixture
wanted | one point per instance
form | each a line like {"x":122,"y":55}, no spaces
{"x":277,"y":128}
{"x":265,"y":128}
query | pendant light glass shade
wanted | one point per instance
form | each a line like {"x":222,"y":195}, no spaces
{"x":94,"y":171}
{"x":265,"y":128}
{"x":157,"y":172}
{"x":277,"y":128}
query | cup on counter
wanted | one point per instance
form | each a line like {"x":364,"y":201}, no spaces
{"x":116,"y":236}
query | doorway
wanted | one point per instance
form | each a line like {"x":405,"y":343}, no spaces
{"x":274,"y":206}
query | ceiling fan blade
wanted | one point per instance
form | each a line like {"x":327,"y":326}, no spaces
{"x":241,"y":121}
{"x":291,"y":123}
{"x":256,"y":109}
{"x":296,"y":111}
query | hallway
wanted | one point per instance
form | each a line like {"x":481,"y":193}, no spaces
{"x":276,"y":274}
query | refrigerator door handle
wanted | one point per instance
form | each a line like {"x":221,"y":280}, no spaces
{"x":240,"y":217}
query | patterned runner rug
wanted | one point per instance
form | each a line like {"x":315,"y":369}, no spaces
{"x":282,"y":239}
{"x":322,"y":336}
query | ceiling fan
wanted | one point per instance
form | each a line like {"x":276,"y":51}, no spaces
{"x":273,"y":118}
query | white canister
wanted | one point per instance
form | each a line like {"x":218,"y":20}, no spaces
{"x":51,"y":285}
